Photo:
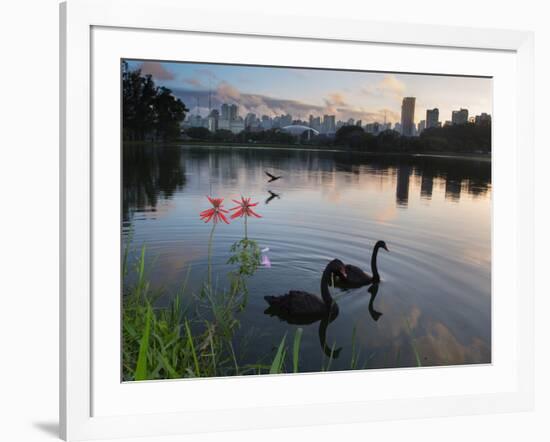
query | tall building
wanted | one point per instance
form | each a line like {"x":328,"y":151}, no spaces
{"x":421,"y":126}
{"x":329,"y":124}
{"x":285,"y":120}
{"x":237,"y":125}
{"x":315,"y":123}
{"x":432,"y":118}
{"x":233,"y":112}
{"x":483,"y":119}
{"x":407,"y":116}
{"x":212,"y":124}
{"x":213,"y":119}
{"x":460,"y":116}
{"x":225,"y":112}
{"x":250,"y":120}
{"x":266,"y":123}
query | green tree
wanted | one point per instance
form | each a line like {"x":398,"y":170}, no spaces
{"x":224,"y":135}
{"x":169,"y":113}
{"x":198,"y":133}
{"x":148,"y":111}
{"x":355,"y":137}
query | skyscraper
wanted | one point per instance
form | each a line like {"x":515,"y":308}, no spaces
{"x":329,"y":124}
{"x":266,"y":123}
{"x":483,"y":119}
{"x":250,"y":120}
{"x":213,"y":119}
{"x":407,"y":116}
{"x":233,"y":112}
{"x":225,"y":111}
{"x":432,"y":118}
{"x":460,"y":116}
{"x":397,"y":127}
{"x":421,"y":126}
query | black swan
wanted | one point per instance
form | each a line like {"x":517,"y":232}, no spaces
{"x":272,"y":177}
{"x":357,"y":277}
{"x":272,"y":195}
{"x":298,"y":317}
{"x":306,"y":308}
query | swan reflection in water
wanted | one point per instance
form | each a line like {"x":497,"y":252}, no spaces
{"x":302,"y":308}
{"x":373,"y":290}
{"x":323,"y":325}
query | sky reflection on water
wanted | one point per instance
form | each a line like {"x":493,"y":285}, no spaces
{"x":434,"y":214}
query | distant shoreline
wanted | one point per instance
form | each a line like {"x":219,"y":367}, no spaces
{"x":335,"y":149}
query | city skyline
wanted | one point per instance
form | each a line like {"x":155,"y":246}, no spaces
{"x":301,"y":92}
{"x":229,"y":118}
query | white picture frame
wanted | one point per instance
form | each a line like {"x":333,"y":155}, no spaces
{"x":86,"y":394}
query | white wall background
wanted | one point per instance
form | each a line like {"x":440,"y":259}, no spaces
{"x":29,"y":220}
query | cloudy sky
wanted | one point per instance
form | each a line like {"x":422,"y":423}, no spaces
{"x":367,"y":96}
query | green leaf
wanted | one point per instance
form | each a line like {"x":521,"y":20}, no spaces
{"x":296,"y":348}
{"x":141,"y":368}
{"x":192,"y":347}
{"x":277,"y":363}
{"x":168,"y":367}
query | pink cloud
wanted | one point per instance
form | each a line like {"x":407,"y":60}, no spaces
{"x":156,"y":70}
{"x":193,"y":82}
{"x":389,"y":86}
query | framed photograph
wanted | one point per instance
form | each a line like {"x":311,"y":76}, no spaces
{"x":320,"y":220}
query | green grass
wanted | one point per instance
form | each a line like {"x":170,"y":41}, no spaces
{"x":278,"y":361}
{"x":174,"y":342}
{"x":171,"y":343}
{"x":296,"y":349}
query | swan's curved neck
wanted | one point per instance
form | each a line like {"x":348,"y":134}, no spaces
{"x":325,"y":292}
{"x":373,"y":266}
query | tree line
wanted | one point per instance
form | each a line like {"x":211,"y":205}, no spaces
{"x":463,"y":138}
{"x":270,"y":136}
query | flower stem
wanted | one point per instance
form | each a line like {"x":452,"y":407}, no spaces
{"x":210,"y":255}
{"x":245,"y":227}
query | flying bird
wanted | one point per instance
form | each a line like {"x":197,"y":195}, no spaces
{"x":272,"y":177}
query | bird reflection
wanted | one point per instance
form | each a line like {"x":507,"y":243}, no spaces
{"x":301,"y":320}
{"x":272,"y":196}
{"x":373,"y":290}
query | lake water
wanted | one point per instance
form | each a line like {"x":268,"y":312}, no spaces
{"x":433,"y":305}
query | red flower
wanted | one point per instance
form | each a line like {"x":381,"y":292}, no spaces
{"x":216,"y":212}
{"x":243,"y":208}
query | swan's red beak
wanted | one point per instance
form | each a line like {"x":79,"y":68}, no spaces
{"x":343,"y":273}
